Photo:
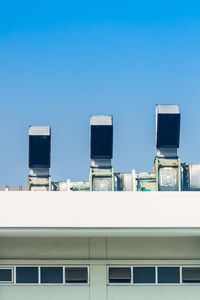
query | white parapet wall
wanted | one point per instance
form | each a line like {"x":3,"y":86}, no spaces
{"x":125,"y":212}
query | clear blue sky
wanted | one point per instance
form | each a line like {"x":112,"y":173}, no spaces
{"x":62,"y":61}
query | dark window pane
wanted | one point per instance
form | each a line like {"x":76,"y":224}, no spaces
{"x":76,"y":275}
{"x":39,"y":151}
{"x":5,"y":275}
{"x":168,"y":130}
{"x":144,"y":275}
{"x":119,"y":275}
{"x":101,"y":142}
{"x":26,"y":274}
{"x":191,"y":275}
{"x":168,"y":275}
{"x":51,"y":275}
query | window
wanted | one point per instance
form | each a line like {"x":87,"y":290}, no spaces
{"x":26,"y":274}
{"x":191,"y":275}
{"x":153,"y":275}
{"x":76,"y":275}
{"x":119,"y":275}
{"x":36,"y":275}
{"x":6,"y":275}
{"x":79,"y":274}
{"x":51,"y":274}
{"x":168,"y":275}
{"x":144,"y":274}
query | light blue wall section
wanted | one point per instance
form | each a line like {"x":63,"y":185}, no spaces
{"x":44,"y":293}
{"x":98,"y":290}
{"x":98,"y":253}
{"x":154,"y":293}
{"x":100,"y":248}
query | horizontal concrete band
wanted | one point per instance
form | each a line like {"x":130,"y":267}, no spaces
{"x":99,"y":232}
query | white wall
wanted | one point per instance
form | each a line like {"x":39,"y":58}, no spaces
{"x":99,"y":210}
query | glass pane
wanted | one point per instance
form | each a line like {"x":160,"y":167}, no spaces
{"x":51,"y":275}
{"x":168,"y":275}
{"x":5,"y":275}
{"x":26,"y":274}
{"x":76,"y":275}
{"x":119,"y":275}
{"x":191,"y":275}
{"x":144,"y":274}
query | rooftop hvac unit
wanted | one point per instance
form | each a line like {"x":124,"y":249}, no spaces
{"x":167,"y":130}
{"x":191,"y":177}
{"x":39,"y":158}
{"x":39,"y":146}
{"x":101,"y":137}
{"x":101,"y":153}
{"x":167,"y":165}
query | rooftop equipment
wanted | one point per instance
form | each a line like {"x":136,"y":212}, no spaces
{"x":167,"y":165}
{"x":191,"y":177}
{"x":101,"y":137}
{"x":39,"y":158}
{"x":101,"y":153}
{"x":168,"y":173}
{"x":167,"y":130}
{"x":126,"y":181}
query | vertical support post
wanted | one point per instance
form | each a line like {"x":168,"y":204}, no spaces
{"x":49,"y":183}
{"x":113,"y":180}
{"x":179,"y":174}
{"x":156,"y":173}
{"x":90,"y":179}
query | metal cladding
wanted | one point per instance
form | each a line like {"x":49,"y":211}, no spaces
{"x":39,"y":146}
{"x":101,"y":137}
{"x":167,"y":126}
{"x":191,"y":177}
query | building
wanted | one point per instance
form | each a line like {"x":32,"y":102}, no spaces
{"x":116,"y":242}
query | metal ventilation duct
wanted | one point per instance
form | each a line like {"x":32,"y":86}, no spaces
{"x":39,"y":146}
{"x":191,"y":177}
{"x":101,"y":137}
{"x":167,"y":126}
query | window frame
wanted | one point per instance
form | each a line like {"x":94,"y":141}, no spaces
{"x":169,"y":266}
{"x":50,"y":266}
{"x":156,"y":275}
{"x":145,"y":266}
{"x":78,"y":283}
{"x":13,"y":269}
{"x":12,"y":275}
{"x":119,"y":283}
{"x":23,"y":266}
{"x":188,"y":283}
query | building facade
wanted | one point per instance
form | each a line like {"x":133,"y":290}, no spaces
{"x":99,"y":245}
